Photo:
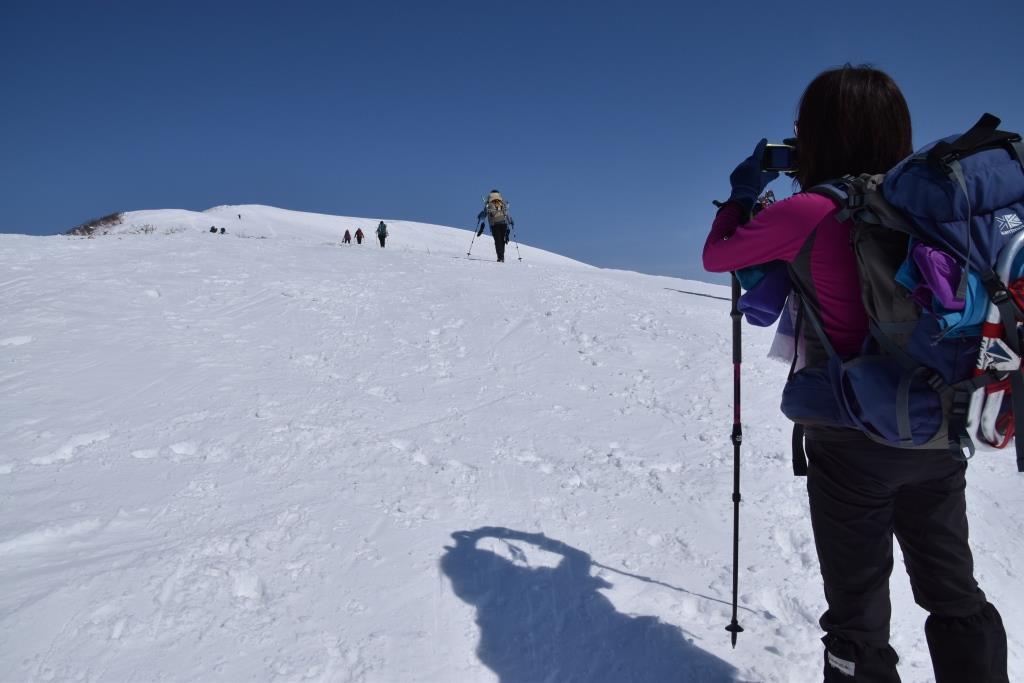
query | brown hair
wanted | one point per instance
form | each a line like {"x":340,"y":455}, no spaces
{"x":851,"y":120}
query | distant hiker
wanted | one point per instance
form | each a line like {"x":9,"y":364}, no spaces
{"x":495,"y":215}
{"x":382,"y":233}
{"x":863,"y":490}
{"x":239,"y":216}
{"x":213,"y":229}
{"x":359,"y":235}
{"x":347,"y":239}
{"x":223,"y":230}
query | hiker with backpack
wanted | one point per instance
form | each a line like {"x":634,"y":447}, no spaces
{"x":884,"y":425}
{"x":382,"y":233}
{"x":495,"y":215}
{"x":359,"y":235}
{"x":347,"y":238}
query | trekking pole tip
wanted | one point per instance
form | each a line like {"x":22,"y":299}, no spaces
{"x":734,"y":629}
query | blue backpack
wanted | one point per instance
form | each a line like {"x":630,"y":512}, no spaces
{"x":928,"y":375}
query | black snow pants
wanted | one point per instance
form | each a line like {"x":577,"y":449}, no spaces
{"x":861,"y":494}
{"x":500,"y":232}
{"x":381,"y":238}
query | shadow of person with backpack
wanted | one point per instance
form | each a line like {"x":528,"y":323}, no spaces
{"x":542,"y":623}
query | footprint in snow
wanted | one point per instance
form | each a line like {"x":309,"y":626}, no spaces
{"x":410,"y":448}
{"x":16,"y":341}
{"x":184,"y":448}
{"x":55,"y":535}
{"x":71,"y":447}
{"x":527,"y":456}
{"x":247,"y":586}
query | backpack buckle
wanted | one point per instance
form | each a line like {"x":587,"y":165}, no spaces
{"x":946,"y":160}
{"x":961,"y":403}
{"x":941,"y":156}
{"x":935,"y":382}
{"x":995,"y":288}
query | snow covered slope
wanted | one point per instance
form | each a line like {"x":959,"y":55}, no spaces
{"x":254,"y":459}
{"x":256,"y":221}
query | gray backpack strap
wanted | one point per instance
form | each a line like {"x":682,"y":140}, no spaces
{"x":836,"y":190}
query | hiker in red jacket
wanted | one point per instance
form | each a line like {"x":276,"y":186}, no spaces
{"x":854,"y":120}
{"x":359,"y":235}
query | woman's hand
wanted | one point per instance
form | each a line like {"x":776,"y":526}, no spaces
{"x":749,"y":180}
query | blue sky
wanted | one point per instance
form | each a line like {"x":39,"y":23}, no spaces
{"x":609,"y":127}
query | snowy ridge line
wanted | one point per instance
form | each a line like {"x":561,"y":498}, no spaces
{"x":267,"y":222}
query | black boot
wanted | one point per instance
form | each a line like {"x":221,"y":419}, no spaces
{"x":968,"y":648}
{"x":846,"y":662}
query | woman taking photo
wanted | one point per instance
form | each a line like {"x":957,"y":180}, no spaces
{"x":854,"y":120}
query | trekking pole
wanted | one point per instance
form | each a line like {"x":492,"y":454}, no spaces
{"x":516,"y":242}
{"x":471,"y":243}
{"x":737,"y":438}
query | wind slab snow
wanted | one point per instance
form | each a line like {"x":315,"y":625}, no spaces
{"x":232,"y":458}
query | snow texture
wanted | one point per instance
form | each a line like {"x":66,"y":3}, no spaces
{"x":232,"y":458}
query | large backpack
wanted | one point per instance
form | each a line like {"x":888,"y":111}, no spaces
{"x":497,"y":210}
{"x":937,"y":241}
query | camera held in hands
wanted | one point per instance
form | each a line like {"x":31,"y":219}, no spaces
{"x":781,"y":158}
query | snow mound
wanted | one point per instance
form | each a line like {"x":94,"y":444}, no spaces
{"x":268,"y":222}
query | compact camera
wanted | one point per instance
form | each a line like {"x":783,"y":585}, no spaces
{"x":781,"y":158}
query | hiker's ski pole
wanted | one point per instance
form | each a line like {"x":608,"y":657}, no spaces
{"x":475,"y":233}
{"x":516,"y":242}
{"x":737,"y":438}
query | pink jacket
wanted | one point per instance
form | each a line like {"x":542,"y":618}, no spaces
{"x":778,"y":233}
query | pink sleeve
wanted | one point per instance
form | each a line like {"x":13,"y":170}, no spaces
{"x":775,"y":234}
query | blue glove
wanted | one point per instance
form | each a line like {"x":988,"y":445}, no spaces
{"x":748,"y":180}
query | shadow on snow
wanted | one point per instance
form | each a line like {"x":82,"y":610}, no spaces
{"x":550,"y":623}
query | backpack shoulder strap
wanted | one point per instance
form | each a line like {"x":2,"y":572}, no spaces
{"x":845,"y":192}
{"x":799,"y":455}
{"x":809,"y":313}
{"x":836,"y":190}
{"x":861,"y":199}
